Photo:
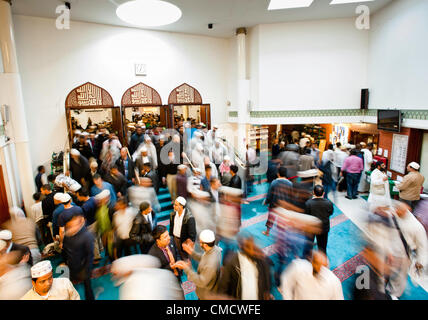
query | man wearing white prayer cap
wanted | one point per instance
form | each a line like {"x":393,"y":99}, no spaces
{"x":6,"y":235}
{"x":182,"y":225}
{"x":208,"y":273}
{"x":411,"y":186}
{"x":45,"y":287}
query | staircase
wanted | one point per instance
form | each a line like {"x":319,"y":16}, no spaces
{"x":165,"y":202}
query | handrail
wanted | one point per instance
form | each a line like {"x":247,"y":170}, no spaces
{"x":236,"y":154}
{"x":188,"y":160}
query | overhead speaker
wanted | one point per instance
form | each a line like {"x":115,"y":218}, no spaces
{"x":364,"y":99}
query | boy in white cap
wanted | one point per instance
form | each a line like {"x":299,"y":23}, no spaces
{"x":411,"y":186}
{"x":45,"y":287}
{"x":208,"y":273}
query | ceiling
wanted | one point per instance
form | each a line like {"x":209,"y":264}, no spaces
{"x":226,"y":15}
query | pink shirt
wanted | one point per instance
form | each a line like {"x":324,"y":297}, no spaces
{"x":353,"y":164}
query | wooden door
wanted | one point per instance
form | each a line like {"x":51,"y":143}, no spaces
{"x":4,"y":206}
{"x":205,"y":113}
{"x":117,"y":123}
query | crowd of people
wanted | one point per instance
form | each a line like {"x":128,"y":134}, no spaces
{"x":106,"y":205}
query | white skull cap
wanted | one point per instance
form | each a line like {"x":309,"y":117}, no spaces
{"x":41,"y":268}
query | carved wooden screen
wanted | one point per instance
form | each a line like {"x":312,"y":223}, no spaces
{"x":89,"y":95}
{"x":184,"y":94}
{"x":141,"y":95}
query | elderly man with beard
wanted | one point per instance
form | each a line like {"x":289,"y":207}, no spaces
{"x":379,"y":187}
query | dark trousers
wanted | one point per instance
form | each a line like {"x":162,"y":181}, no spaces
{"x":352,"y":181}
{"x":322,"y":241}
{"x":123,"y":247}
{"x":183,"y":254}
{"x":411,"y":203}
{"x":85,"y":276}
{"x":44,"y":231}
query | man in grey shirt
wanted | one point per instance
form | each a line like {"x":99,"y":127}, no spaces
{"x":208,"y":273}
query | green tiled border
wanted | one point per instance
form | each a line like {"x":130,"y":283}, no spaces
{"x":407,"y":114}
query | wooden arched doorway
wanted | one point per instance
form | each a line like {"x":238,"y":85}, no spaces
{"x":89,"y":108}
{"x":142,"y":104}
{"x":185,"y":102}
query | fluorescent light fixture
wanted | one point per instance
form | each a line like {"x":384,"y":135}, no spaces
{"x":348,"y":1}
{"x":148,"y":13}
{"x":288,"y":4}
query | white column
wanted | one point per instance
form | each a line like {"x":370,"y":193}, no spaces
{"x":243,"y":91}
{"x":12,"y":96}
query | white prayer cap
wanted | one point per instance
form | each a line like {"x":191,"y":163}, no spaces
{"x":143,"y":126}
{"x":84,"y":133}
{"x":181,"y":201}
{"x":76,"y":132}
{"x":59,"y":196}
{"x":181,"y":167}
{"x":215,"y":126}
{"x":5,"y":235}
{"x":207,"y":236}
{"x":102,"y":195}
{"x":41,"y":269}
{"x":227,"y":158}
{"x":414,"y":165}
{"x":65,"y":198}
{"x":2,"y":244}
{"x":362,"y":143}
{"x":231,"y":191}
{"x":162,"y":137}
{"x":143,"y":149}
{"x":147,"y":138}
{"x":197,"y":170}
{"x":75,"y":152}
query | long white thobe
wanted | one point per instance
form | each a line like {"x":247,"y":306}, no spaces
{"x":377,"y":198}
{"x":368,"y":159}
{"x":299,"y":283}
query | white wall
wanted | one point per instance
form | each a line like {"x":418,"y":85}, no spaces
{"x":398,"y":56}
{"x":52,"y":62}
{"x":311,"y":65}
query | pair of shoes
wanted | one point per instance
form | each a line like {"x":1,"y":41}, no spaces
{"x":354,"y":197}
{"x":348,"y":198}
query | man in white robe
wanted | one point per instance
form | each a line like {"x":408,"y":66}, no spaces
{"x":379,"y":187}
{"x":45,"y":287}
{"x":310,"y":280}
{"x":368,"y":159}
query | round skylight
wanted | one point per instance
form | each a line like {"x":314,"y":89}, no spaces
{"x":148,"y":13}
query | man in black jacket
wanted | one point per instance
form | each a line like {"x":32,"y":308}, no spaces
{"x":243,"y":264}
{"x":235,"y":182}
{"x":321,"y":208}
{"x":79,"y":248}
{"x":136,"y":139}
{"x":165,"y":250}
{"x":48,"y":207}
{"x":117,"y":180}
{"x":182,"y":226}
{"x":142,"y":227}
{"x":126,"y":166}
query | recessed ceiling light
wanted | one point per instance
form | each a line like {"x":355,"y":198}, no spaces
{"x":348,"y":1}
{"x":148,"y":13}
{"x":288,"y":4}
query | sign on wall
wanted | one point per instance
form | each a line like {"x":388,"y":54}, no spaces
{"x":399,"y":153}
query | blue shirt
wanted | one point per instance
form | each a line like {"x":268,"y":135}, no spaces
{"x":106,"y":186}
{"x":89,"y":208}
{"x":55,"y":215}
